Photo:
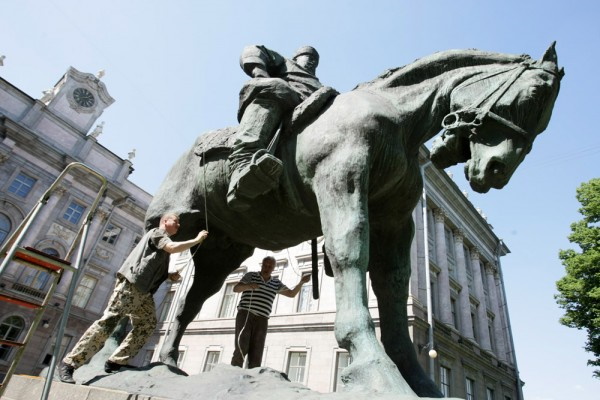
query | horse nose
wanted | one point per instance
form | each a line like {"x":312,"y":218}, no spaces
{"x":497,"y":172}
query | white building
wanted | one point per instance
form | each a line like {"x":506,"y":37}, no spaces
{"x":38,"y":138}
{"x":471,"y":329}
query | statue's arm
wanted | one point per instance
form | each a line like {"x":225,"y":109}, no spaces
{"x":260,"y":62}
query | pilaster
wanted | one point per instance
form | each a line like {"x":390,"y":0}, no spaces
{"x":466,"y":323}
{"x":442,"y":262}
{"x":482,"y":328}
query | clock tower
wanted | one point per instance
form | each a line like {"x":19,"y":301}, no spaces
{"x":79,"y":98}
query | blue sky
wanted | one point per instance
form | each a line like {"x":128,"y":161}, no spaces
{"x":172,"y":67}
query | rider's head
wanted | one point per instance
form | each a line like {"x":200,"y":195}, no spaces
{"x":307,"y":57}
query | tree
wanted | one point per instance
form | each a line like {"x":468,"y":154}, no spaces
{"x":579,"y":289}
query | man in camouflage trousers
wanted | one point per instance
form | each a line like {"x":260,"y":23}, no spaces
{"x":139,"y":277}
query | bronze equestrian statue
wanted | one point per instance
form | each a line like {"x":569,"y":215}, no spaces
{"x":351,"y":174}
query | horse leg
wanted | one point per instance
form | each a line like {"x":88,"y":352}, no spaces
{"x":390,"y":274}
{"x":342,"y":198}
{"x":212,"y":266}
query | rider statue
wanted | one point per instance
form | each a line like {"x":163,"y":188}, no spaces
{"x":277,"y":86}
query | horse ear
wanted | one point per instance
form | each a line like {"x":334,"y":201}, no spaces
{"x":550,"y":54}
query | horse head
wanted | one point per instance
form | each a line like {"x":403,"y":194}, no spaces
{"x":495,"y":115}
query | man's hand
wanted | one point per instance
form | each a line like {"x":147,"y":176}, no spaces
{"x":252,"y":286}
{"x":201,"y":236}
{"x":305,"y":278}
{"x":175,"y":277}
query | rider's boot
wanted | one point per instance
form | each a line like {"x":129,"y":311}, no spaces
{"x":253,"y":171}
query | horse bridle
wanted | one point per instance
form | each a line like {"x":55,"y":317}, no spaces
{"x":473,"y":116}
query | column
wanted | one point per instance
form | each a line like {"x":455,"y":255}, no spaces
{"x":482,"y":329}
{"x":491,"y":273}
{"x":510,"y":357}
{"x":464,"y":303}
{"x":442,"y":262}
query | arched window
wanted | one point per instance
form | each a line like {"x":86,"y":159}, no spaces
{"x":5,"y":227}
{"x":10,"y":329}
{"x":35,"y":279}
{"x":51,"y":251}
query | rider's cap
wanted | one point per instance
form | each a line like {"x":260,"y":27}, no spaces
{"x":306,"y":50}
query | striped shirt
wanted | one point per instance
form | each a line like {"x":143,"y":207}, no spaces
{"x":260,"y":301}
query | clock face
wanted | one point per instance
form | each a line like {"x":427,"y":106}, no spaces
{"x":83,"y":97}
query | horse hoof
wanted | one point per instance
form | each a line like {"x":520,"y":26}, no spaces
{"x":375,"y":376}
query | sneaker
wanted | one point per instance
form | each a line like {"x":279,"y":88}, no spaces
{"x":65,"y":372}
{"x":111,"y":366}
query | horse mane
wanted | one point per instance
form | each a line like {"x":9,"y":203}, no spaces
{"x":435,"y":64}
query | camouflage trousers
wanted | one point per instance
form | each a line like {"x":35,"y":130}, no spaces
{"x":126,"y":301}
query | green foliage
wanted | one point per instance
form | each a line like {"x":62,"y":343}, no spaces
{"x":579,"y":289}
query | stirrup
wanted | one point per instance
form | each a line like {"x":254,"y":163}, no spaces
{"x":257,"y":178}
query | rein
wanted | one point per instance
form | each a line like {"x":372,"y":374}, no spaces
{"x":474,"y":115}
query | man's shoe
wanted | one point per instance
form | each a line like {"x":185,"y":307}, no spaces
{"x":110,"y":367}
{"x":258,"y":177}
{"x":65,"y":372}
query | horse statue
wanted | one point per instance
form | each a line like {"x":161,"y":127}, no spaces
{"x":352,"y":175}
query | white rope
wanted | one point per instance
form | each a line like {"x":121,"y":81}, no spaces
{"x":205,"y":191}
{"x":244,"y":327}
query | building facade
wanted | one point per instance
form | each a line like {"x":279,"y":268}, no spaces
{"x":38,"y":139}
{"x":463,"y":289}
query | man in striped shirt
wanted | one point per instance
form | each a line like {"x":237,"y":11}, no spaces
{"x":258,"y":293}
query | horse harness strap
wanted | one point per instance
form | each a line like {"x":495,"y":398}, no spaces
{"x":474,"y":115}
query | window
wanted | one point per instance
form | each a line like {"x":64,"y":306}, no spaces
{"x":136,"y":241}
{"x":445,"y":381}
{"x":469,"y":267}
{"x":212,"y":359}
{"x":74,"y":212}
{"x":180,"y":358}
{"x":491,"y":333}
{"x":450,"y":254}
{"x":228,"y":305}
{"x":64,"y":346}
{"x":489,"y":394}
{"x":111,"y":234}
{"x":431,"y":236}
{"x":343,"y":359}
{"x":470,"y":389}
{"x":51,"y":252}
{"x":166,"y":306}
{"x":305,"y":299}
{"x":485,"y":286}
{"x":5,"y":227}
{"x":433,"y":292}
{"x":34,"y":279}
{"x":475,"y":322}
{"x":84,"y":291}
{"x":22,"y":185}
{"x":10,"y":329}
{"x":296,"y":366}
{"x":454,"y":312}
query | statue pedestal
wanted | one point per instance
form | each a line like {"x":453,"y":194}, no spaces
{"x":160,"y":382}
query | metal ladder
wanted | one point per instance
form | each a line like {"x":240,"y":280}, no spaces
{"x":54,"y":266}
